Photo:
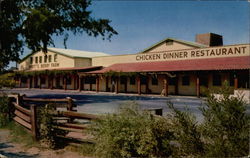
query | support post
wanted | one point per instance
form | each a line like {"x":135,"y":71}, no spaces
{"x":52,"y":82}
{"x":80,"y":83}
{"x":166,"y":86}
{"x":33,"y":121}
{"x":126,"y":85}
{"x":65,"y":82}
{"x":97,"y":84}
{"x":70,"y":107}
{"x":19,"y":99}
{"x":28,"y":82}
{"x":147,"y":83}
{"x":235,"y":82}
{"x":77,"y":82}
{"x":74,"y":78}
{"x":117,"y":85}
{"x":90,"y":86}
{"x":70,"y":104}
{"x":198,"y":86}
{"x":139,"y":85}
{"x":40,"y":82}
{"x":48,"y":81}
{"x":107,"y":84}
{"x":176,"y":85}
{"x":20,"y":82}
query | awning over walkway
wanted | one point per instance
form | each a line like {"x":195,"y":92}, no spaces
{"x":232,"y":63}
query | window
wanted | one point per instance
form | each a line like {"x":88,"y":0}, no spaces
{"x":143,"y":80}
{"x":132,"y":80}
{"x":154,"y":81}
{"x":231,"y":80}
{"x":216,"y":79}
{"x":55,"y":58}
{"x":50,"y":58}
{"x":169,"y":43}
{"x":68,"y":81}
{"x":123,"y":80}
{"x":23,"y":79}
{"x":40,"y":59}
{"x":185,"y":80}
{"x":43,"y":80}
{"x":204,"y":81}
{"x":45,"y":58}
{"x":172,"y":81}
{"x":31,"y":60}
{"x":36,"y":59}
{"x":90,"y":80}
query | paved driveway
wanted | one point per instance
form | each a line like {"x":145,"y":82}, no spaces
{"x":99,"y":103}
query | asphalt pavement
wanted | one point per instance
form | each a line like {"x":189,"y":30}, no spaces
{"x":102,"y":102}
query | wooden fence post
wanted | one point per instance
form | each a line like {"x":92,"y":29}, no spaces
{"x":33,"y":121}
{"x":70,"y":107}
{"x":70,"y":104}
{"x":19,"y":99}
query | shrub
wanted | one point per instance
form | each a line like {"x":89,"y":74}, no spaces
{"x":187,"y":133}
{"x":226,"y":126}
{"x":4,"y":111}
{"x":7,"y":80}
{"x":47,"y":129}
{"x":131,"y":133}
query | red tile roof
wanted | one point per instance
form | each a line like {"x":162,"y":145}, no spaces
{"x":90,"y":68}
{"x":230,"y":63}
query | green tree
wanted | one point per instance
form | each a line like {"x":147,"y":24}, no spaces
{"x":35,"y":22}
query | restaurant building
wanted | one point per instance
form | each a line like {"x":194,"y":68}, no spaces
{"x":171,"y":66}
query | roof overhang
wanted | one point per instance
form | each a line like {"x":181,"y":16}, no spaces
{"x":229,"y":63}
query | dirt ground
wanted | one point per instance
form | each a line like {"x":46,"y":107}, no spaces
{"x":13,"y":150}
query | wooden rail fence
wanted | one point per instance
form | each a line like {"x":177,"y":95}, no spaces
{"x":25,"y":114}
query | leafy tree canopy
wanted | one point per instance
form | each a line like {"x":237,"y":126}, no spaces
{"x":34,"y":22}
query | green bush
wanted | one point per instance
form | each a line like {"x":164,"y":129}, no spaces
{"x":226,"y":126}
{"x":47,"y":127}
{"x":131,"y":133}
{"x":187,"y":133}
{"x":7,"y":80}
{"x":4,"y":111}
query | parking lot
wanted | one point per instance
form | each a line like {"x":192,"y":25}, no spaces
{"x":100,"y":103}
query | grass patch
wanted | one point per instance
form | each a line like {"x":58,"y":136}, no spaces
{"x":20,"y":135}
{"x":85,"y":149}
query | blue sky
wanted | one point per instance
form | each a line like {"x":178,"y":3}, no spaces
{"x":141,"y":24}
